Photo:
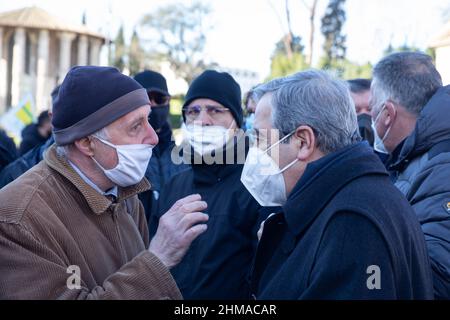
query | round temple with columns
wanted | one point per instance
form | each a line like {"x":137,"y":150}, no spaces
{"x":36,"y":51}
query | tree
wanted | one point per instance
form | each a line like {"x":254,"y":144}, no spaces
{"x":403,"y":48}
{"x":283,"y":65}
{"x":136,"y":55}
{"x":119,"y":50}
{"x":180,"y":36}
{"x":83,"y":18}
{"x":334,"y":46}
{"x":351,"y":70}
{"x":312,"y":28}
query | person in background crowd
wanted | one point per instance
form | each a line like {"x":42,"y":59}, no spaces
{"x":410,"y":108}
{"x":360,"y":92}
{"x":161,"y":167}
{"x":36,"y":134}
{"x":217,"y":264}
{"x":249,"y":109}
{"x":29,"y":159}
{"x":8,"y":151}
{"x":73,"y":227}
{"x":345,"y":231}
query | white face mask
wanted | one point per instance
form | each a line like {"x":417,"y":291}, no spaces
{"x":378,"y":144}
{"x":132,"y":164}
{"x":205,"y":139}
{"x":263,"y":178}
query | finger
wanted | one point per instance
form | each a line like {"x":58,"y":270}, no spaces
{"x":185,"y":200}
{"x":194,"y":206}
{"x":194,"y":232}
{"x":191,"y":219}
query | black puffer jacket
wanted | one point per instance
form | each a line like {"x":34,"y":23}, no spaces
{"x":422,"y":172}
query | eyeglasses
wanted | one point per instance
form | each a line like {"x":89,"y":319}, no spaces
{"x":215,"y":112}
{"x":157,"y":98}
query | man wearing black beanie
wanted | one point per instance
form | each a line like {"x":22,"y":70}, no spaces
{"x":72,"y":227}
{"x":217,"y":264}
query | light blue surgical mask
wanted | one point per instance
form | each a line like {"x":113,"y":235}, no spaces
{"x":249,"y":121}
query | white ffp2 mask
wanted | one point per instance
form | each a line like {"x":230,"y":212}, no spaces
{"x":263,"y":178}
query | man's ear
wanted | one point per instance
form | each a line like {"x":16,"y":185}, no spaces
{"x":305,"y":139}
{"x":85,"y":146}
{"x":391,"y":113}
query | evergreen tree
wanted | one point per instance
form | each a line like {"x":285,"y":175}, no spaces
{"x":287,"y":60}
{"x":119,"y":50}
{"x":332,"y":24}
{"x":135,"y":55}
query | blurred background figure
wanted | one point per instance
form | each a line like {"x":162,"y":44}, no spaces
{"x":250,"y":103}
{"x":161,"y":167}
{"x":360,"y":92}
{"x":8,"y":151}
{"x":28,"y":160}
{"x":36,"y":134}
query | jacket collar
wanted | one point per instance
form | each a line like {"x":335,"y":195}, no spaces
{"x":323,"y":178}
{"x":96,"y":201}
{"x":431,"y":128}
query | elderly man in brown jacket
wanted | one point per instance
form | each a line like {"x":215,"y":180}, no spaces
{"x":72,"y":227}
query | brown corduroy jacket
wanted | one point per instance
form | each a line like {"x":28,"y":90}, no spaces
{"x":53,"y":224}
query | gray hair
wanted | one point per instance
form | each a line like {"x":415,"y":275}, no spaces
{"x":409,"y":79}
{"x":316,"y":99}
{"x":64,"y":151}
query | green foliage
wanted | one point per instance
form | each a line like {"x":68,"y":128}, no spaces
{"x":296,"y":45}
{"x":282,"y":66}
{"x":175,"y":119}
{"x":403,"y":48}
{"x":353,"y":70}
{"x":334,"y":46}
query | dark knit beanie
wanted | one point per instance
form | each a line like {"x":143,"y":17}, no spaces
{"x":220,"y":87}
{"x":152,"y":81}
{"x":90,"y":98}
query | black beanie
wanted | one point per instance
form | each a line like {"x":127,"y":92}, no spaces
{"x":220,"y":87}
{"x":90,"y":98}
{"x":152,"y":81}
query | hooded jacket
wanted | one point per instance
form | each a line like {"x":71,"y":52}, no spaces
{"x":421,"y":169}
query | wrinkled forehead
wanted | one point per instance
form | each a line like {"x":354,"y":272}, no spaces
{"x":136,"y":115}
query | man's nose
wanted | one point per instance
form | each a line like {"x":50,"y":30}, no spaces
{"x":151,"y":136}
{"x":204,"y":119}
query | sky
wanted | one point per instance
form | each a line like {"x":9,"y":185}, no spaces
{"x":244,"y":32}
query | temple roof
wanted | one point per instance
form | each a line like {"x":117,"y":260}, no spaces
{"x":37,"y":18}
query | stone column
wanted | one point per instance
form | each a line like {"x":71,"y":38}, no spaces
{"x":82,"y":50}
{"x":18,"y":65}
{"x":2,"y":74}
{"x":42,"y":67}
{"x":64,"y":53}
{"x":95,"y":51}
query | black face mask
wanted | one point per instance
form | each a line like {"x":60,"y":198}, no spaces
{"x":158,"y":116}
{"x":365,"y":127}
